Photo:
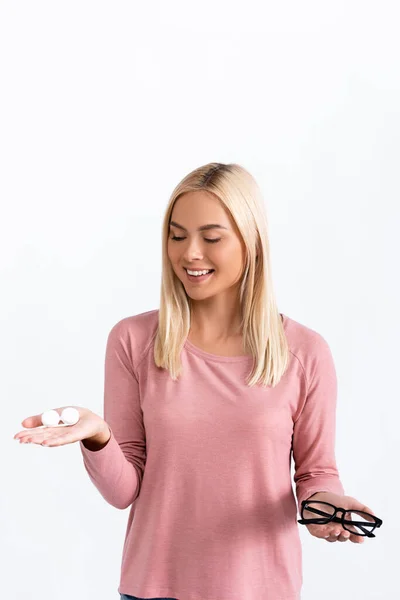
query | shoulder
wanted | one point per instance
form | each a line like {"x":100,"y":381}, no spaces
{"x":307,"y":345}
{"x":135,"y":332}
{"x":137,"y":323}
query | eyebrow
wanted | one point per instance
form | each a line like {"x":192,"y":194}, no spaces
{"x":202,"y":228}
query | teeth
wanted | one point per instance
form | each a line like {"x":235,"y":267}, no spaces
{"x":197,"y":273}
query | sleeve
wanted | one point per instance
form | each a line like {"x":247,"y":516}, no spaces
{"x":117,"y":469}
{"x":314,"y":430}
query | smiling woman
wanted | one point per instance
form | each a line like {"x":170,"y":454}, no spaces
{"x":216,"y":267}
{"x":215,"y":386}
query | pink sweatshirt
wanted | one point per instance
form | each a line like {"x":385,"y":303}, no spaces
{"x":204,"y":463}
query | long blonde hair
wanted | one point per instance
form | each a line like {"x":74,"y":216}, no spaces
{"x":261,"y":324}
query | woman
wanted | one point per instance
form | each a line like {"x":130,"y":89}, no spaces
{"x":205,"y":400}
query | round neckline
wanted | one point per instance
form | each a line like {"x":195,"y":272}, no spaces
{"x":220,"y":358}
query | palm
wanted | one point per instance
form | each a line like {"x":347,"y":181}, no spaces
{"x":89,"y":425}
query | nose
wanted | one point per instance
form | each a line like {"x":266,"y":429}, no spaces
{"x":193,"y":251}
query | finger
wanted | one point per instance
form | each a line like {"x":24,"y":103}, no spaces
{"x":339,"y":536}
{"x":22,"y":435}
{"x":59,"y":440}
{"x":39,"y":434}
{"x":35,"y":420}
{"x":332,"y":536}
{"x":318,"y":531}
{"x":356,"y":539}
{"x":34,"y":439}
{"x":50,"y":440}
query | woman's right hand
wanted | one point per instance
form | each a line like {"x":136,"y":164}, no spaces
{"x":89,"y":426}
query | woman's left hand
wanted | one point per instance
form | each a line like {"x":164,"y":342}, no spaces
{"x":334,"y":532}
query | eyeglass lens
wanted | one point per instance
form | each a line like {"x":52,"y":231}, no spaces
{"x":360,"y":523}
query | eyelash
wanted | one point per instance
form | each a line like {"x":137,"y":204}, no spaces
{"x":178,"y":239}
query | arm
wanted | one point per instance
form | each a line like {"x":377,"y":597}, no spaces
{"x":315,"y":428}
{"x":116,"y":466}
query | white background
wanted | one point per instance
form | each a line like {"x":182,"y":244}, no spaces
{"x":104,"y":107}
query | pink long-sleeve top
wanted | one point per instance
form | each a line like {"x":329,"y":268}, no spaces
{"x":204,"y":463}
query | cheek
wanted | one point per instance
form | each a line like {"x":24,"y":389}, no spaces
{"x":171,"y":252}
{"x":230,"y":256}
{"x":175,"y":259}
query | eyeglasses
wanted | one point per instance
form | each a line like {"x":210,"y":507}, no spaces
{"x":355,"y":521}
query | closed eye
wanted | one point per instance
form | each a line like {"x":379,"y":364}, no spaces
{"x":178,"y":239}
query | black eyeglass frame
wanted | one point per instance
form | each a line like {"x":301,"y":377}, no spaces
{"x":328,"y":518}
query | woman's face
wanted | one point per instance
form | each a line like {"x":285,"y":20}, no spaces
{"x":218,"y":248}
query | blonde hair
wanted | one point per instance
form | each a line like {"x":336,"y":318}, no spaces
{"x":261,"y":325}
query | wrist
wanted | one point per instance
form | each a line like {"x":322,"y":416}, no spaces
{"x":104,"y":434}
{"x":99,"y":440}
{"x":317,"y":494}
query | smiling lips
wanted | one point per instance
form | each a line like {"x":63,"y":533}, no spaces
{"x":199,"y":278}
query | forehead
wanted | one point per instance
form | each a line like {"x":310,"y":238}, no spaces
{"x":195,"y":209}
